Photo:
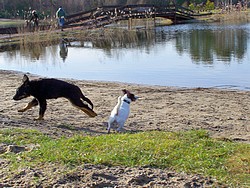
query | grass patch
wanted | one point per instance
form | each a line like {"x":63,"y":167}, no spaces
{"x":10,"y":22}
{"x":191,"y":151}
{"x":101,"y":38}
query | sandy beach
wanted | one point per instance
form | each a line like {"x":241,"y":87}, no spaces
{"x":225,"y":114}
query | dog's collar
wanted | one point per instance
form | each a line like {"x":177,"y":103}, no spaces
{"x":126,"y":101}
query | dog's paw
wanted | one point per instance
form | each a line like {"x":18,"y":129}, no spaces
{"x":39,"y":119}
{"x":118,"y":131}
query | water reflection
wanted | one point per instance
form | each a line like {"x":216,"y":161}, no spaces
{"x":32,"y":52}
{"x":205,"y":44}
{"x":136,"y":40}
{"x":63,"y":45}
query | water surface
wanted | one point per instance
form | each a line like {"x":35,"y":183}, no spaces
{"x":189,"y":55}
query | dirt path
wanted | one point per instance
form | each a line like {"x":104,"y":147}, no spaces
{"x":225,"y":114}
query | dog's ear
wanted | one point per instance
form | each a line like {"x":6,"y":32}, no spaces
{"x":25,"y":79}
{"x":124,"y":91}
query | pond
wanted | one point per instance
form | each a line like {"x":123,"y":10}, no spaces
{"x":188,"y":55}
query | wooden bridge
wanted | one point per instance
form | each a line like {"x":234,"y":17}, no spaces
{"x":110,"y":14}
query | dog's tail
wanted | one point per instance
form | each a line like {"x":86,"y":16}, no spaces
{"x":88,"y":101}
{"x":118,"y":105}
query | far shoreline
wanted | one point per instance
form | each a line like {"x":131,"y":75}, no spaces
{"x":219,"y":87}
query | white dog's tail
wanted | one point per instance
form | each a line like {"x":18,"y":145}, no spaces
{"x":116,"y":109}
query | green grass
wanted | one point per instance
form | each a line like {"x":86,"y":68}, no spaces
{"x":191,"y":152}
{"x":10,"y":22}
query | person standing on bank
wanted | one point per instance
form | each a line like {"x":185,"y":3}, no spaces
{"x":60,"y":15}
{"x":34,"y":18}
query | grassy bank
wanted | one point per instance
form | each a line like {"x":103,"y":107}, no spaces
{"x":227,"y":17}
{"x":11,"y":22}
{"x":191,"y":152}
{"x":101,"y":38}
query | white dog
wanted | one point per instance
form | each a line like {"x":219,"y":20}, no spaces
{"x":121,"y":111}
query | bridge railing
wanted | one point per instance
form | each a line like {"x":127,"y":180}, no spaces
{"x":109,"y":14}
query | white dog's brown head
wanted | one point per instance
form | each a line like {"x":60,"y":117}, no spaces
{"x":131,"y":96}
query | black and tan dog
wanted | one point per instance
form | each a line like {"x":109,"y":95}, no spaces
{"x":42,"y":89}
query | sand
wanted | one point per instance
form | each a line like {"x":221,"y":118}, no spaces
{"x":224,"y":113}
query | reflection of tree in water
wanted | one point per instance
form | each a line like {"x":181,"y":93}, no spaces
{"x":233,"y":43}
{"x":127,"y":40}
{"x":32,"y":52}
{"x":205,"y":44}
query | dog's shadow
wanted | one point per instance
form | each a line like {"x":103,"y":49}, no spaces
{"x":115,"y":126}
{"x":103,"y":128}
